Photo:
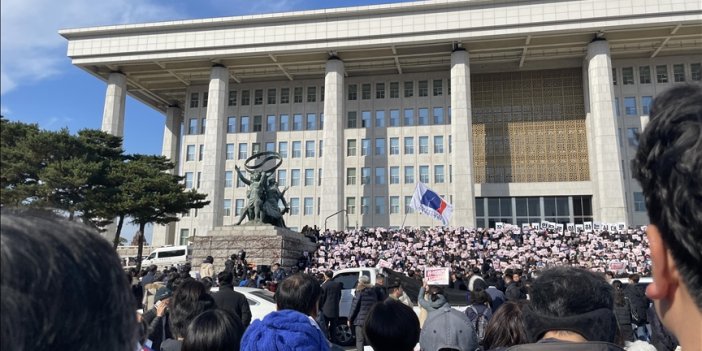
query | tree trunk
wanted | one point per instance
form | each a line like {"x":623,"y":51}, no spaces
{"x":115,"y":242}
{"x":140,"y":248}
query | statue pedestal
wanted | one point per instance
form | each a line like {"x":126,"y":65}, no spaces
{"x":264,"y":245}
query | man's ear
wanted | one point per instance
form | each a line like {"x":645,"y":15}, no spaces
{"x":665,"y":274}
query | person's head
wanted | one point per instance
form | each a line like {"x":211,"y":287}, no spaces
{"x":479,"y":297}
{"x":448,"y":329}
{"x":634,"y":278}
{"x":208,"y":259}
{"x":435,"y":291}
{"x":208,"y":283}
{"x":213,"y":330}
{"x":363,"y":283}
{"x":617,"y":284}
{"x":58,"y":278}
{"x":380,"y":280}
{"x":225,"y":278}
{"x":276,"y":266}
{"x":609,"y":275}
{"x":392,"y":326}
{"x":188,"y":301}
{"x":571,"y":303}
{"x":395,"y":288}
{"x":667,"y":165}
{"x":153,"y":268}
{"x":299,"y":292}
{"x":516,"y":277}
{"x":328,"y":275}
{"x":506,"y":327}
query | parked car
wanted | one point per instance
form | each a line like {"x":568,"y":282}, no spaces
{"x":261,"y":301}
{"x":168,"y":256}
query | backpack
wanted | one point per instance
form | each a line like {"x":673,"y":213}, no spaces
{"x":480,"y":323}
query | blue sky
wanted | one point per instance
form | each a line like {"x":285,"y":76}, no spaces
{"x":39,"y":84}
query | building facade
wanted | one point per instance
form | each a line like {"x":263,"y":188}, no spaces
{"x":514,"y":111}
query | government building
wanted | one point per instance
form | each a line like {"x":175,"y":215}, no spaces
{"x":514,"y":111}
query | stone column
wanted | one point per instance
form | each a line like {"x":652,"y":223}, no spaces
{"x":115,"y":99}
{"x":462,"y":139}
{"x":165,"y":234}
{"x":608,"y":204}
{"x":212,"y":181}
{"x":332,"y":199}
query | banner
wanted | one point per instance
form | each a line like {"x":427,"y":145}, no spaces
{"x":437,"y":275}
{"x":431,"y":204}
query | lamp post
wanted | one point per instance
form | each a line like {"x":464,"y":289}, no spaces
{"x":330,"y":216}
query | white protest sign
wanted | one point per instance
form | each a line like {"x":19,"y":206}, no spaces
{"x":570,"y":227}
{"x":535,"y":225}
{"x":588,"y":226}
{"x":437,"y":275}
{"x":578,"y":228}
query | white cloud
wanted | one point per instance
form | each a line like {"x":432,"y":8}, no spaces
{"x":32,"y":49}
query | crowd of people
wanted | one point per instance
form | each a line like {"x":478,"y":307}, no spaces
{"x":63,"y":287}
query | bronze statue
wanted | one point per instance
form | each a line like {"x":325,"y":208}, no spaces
{"x":263,"y":195}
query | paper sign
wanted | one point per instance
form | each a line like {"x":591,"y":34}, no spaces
{"x":384,"y":264}
{"x":525,"y":226}
{"x":544,"y":225}
{"x":621,"y":226}
{"x":437,"y":275}
{"x":570,"y":227}
{"x":535,"y":225}
{"x":560,"y":227}
{"x":578,"y":228}
{"x":499,"y":225}
{"x":588,"y":226}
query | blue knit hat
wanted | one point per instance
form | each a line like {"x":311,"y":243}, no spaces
{"x":285,"y":330}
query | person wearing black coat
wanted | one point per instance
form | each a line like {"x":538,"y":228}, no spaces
{"x":622,"y":310}
{"x":231,"y":301}
{"x":639,"y":306}
{"x":365,"y":298}
{"x":329,"y":304}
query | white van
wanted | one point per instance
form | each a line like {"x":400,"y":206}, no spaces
{"x":168,"y":256}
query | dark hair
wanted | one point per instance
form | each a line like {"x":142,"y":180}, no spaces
{"x":479,"y":297}
{"x":60,"y":278}
{"x":667,"y":165}
{"x":391,"y":325}
{"x":434,"y":292}
{"x":188,"y":301}
{"x":568,"y":291}
{"x":329,"y":274}
{"x":213,"y":330}
{"x":506,"y":327}
{"x":618,"y":293}
{"x":299,"y":292}
{"x":634,"y":278}
{"x":225,"y":277}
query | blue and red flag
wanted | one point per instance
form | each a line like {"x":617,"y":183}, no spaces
{"x":431,"y":204}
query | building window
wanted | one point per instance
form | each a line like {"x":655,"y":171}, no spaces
{"x":190,"y":153}
{"x":365,"y":147}
{"x":630,"y":106}
{"x":439,"y":174}
{"x":423,"y":117}
{"x":283,"y":149}
{"x":423,"y":88}
{"x":424,"y":174}
{"x":284,"y":95}
{"x":394,"y":146}
{"x":661,"y":74}
{"x":203,"y":124}
{"x":194,"y":100}
{"x":321,"y":93}
{"x":321,"y":121}
{"x":632,"y":135}
{"x":614,"y":76}
{"x":294,"y":177}
{"x":257,"y":123}
{"x":255,"y":148}
{"x":309,"y":203}
{"x":438,"y":144}
{"x":351,"y":147}
{"x":366,"y":119}
{"x":394,"y":90}
{"x":244,"y":128}
{"x":294,"y":206}
{"x":351,"y":176}
{"x":639,"y":202}
{"x":645,"y":74}
{"x":238,"y":206}
{"x":423,"y":144}
{"x":201,"y":152}
{"x":617,"y":110}
{"x":311,"y":122}
{"x":309,"y":176}
{"x":258,"y":97}
{"x":364,"y":205}
{"x":192,"y":126}
{"x":232,"y":98}
{"x":296,"y":149}
{"x":297,"y":122}
{"x":394,"y":118}
{"x":319,"y":177}
{"x":438,"y":115}
{"x":353,"y":92}
{"x":351,"y":205}
{"x":270,"y":96}
{"x":380,"y":118}
{"x":228,"y":179}
{"x":205,"y":98}
{"x":284,"y":123}
{"x":394,"y":175}
{"x":380,"y":205}
{"x":365,"y":175}
{"x":188,"y":180}
{"x":409,"y":174}
{"x":438,"y":87}
{"x":409,"y":89}
{"x":628,"y":75}
{"x":243,"y":151}
{"x":380,"y":146}
{"x":309,"y":148}
{"x":696,"y":71}
{"x":270,"y":123}
{"x":679,"y":72}
{"x":351,"y":119}
{"x":231,"y":124}
{"x":311,"y":94}
{"x":184,"y":235}
{"x":409,"y":145}
{"x":646,"y":105}
{"x":297,"y":95}
{"x":227,"y":207}
{"x":230,"y":151}
{"x":408,"y":204}
{"x":282,"y":177}
{"x":245,"y":98}
{"x":380,"y":90}
{"x":379,"y":175}
{"x":394,"y":204}
{"x":365,"y":91}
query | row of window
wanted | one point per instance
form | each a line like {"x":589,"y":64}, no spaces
{"x":393,"y":89}
{"x":242,"y":152}
{"x":394,"y":146}
{"x":409,"y":118}
{"x":660,"y":72}
{"x":272,"y":97}
{"x":519,"y":210}
{"x":408,"y":176}
{"x":631,"y":107}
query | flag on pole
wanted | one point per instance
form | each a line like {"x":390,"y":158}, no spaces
{"x":431,"y":204}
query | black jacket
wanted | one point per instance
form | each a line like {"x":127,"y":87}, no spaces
{"x":233,"y":302}
{"x":329,"y":301}
{"x":514,"y":292}
{"x":361,"y":305}
{"x":552,"y":345}
{"x":159,"y":328}
{"x":623,"y":315}
{"x":639,"y":303}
